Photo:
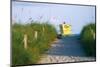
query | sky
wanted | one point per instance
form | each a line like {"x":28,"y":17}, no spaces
{"x":75,"y":15}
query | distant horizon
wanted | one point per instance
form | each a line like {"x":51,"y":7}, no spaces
{"x":77,"y":16}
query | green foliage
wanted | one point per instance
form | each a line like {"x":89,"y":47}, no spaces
{"x":88,"y":39}
{"x":36,"y":47}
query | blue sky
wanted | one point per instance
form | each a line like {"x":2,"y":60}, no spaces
{"x":75,"y":15}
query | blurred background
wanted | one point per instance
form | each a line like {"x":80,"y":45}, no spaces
{"x":75,"y":15}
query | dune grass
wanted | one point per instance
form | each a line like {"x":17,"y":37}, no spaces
{"x":88,"y":39}
{"x":36,"y":47}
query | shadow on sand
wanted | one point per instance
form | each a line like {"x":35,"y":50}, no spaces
{"x":67,"y":46}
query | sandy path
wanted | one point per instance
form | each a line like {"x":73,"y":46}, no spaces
{"x":67,"y":49}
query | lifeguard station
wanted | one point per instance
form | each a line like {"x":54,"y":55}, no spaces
{"x":65,"y":29}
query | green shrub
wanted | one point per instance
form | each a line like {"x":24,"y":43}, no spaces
{"x":36,"y":47}
{"x":19,"y":55}
{"x":88,"y":39}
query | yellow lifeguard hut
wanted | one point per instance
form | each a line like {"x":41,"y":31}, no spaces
{"x":65,"y":29}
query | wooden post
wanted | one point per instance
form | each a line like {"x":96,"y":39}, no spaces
{"x":25,"y":41}
{"x":36,"y":35}
{"x":43,"y":29}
